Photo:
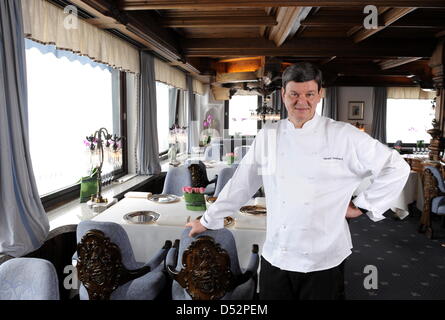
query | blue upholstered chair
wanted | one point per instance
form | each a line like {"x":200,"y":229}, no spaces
{"x":176,"y":179}
{"x":28,"y":279}
{"x":240,"y":152}
{"x":206,"y":269}
{"x":437,"y":203}
{"x":213,"y":152}
{"x":107,"y":268}
{"x":224,"y":176}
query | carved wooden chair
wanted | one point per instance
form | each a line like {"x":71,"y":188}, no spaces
{"x":107,"y":268}
{"x":209,"y":268}
{"x":198,"y":172}
{"x":434,"y":198}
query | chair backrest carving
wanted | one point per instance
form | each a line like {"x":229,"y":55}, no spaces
{"x":100,"y":266}
{"x":199,"y":174}
{"x":206,"y":273}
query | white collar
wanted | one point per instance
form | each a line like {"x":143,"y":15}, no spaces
{"x":307,"y":126}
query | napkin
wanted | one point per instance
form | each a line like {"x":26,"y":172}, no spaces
{"x":137,"y":194}
{"x":251,"y":222}
{"x":172,"y":220}
{"x":260,"y":201}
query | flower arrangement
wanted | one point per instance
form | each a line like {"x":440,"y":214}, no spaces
{"x":193,"y":190}
{"x":194,"y":198}
{"x":230,"y":158}
{"x":208,"y":122}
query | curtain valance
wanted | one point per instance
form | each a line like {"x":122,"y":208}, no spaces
{"x":45,"y":23}
{"x":409,"y":93}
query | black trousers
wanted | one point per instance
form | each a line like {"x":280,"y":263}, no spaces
{"x":277,"y":284}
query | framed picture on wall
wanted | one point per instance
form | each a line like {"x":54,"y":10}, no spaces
{"x":355,"y":110}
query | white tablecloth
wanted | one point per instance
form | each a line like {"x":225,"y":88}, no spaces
{"x":410,"y":193}
{"x":146,"y":240}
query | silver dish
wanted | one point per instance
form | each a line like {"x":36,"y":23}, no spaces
{"x":142,"y":217}
{"x":163,"y":198}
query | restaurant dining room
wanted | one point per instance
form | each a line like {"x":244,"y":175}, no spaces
{"x":172,"y":150}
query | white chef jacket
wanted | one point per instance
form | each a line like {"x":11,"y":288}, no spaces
{"x":309,"y":175}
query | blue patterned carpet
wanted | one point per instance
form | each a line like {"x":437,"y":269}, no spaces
{"x":409,"y":265}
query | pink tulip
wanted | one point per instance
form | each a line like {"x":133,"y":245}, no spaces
{"x":202,"y":190}
{"x":188,"y":189}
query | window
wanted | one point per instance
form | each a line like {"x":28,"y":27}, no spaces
{"x":241,"y":122}
{"x":408,"y":120}
{"x":162,"y":101}
{"x":69,"y":98}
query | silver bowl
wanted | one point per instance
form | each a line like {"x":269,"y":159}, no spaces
{"x":142,"y":217}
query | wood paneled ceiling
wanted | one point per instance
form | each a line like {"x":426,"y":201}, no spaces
{"x":207,"y":37}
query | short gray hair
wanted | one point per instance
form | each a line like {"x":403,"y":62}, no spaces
{"x":302,"y":72}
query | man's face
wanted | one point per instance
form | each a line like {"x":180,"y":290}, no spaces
{"x":301,"y":99}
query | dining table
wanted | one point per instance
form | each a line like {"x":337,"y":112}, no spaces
{"x":147,"y":238}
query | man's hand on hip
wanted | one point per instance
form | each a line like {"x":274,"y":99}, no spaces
{"x":353,"y":211}
{"x":196,"y":226}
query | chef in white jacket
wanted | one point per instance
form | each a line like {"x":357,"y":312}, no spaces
{"x":309,"y":166}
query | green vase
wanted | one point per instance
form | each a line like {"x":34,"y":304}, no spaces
{"x":195,"y":201}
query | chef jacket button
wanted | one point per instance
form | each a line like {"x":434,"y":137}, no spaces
{"x":306,"y":203}
{"x":283,"y":249}
{"x":283,"y":202}
{"x":283,"y":226}
{"x":305,"y":253}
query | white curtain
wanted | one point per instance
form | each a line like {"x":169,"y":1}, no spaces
{"x":47,"y":24}
{"x":24,"y":224}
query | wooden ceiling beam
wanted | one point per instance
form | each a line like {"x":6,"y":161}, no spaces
{"x":289,"y":21}
{"x":332,"y":21}
{"x":265,"y":30}
{"x":388,"y":64}
{"x":385,"y":19}
{"x":190,"y":4}
{"x":219,"y":21}
{"x":235,"y":77}
{"x":254,"y":12}
{"x":306,"y":47}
